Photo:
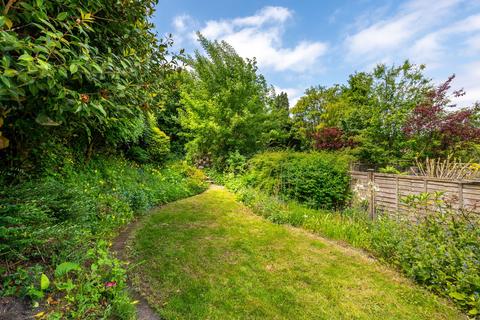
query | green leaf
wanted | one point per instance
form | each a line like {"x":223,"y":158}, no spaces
{"x":473,"y":312}
{"x":25,"y":57}
{"x":66,"y":267}
{"x":39,"y":3}
{"x":8,"y":23}
{"x":62,"y":16}
{"x":44,"y":282}
{"x":100,"y":108}
{"x":43,"y":65}
{"x":6,"y":81}
{"x":26,"y":6}
{"x":44,"y":120}
{"x":73,"y":68}
{"x":457,"y":295}
{"x":2,"y":20}
{"x":97,"y":67}
{"x":10,"y":72}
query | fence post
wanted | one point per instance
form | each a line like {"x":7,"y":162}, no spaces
{"x":460,"y":195}
{"x":371,"y":201}
{"x":397,"y":194}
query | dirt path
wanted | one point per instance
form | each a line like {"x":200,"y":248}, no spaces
{"x":119,"y":246}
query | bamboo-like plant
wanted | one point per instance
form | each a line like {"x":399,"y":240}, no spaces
{"x":449,"y":168}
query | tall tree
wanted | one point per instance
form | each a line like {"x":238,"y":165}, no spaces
{"x":225,"y":104}
{"x":320,"y":107}
{"x":280,"y":122}
{"x":396,"y":90}
{"x":435,"y":128}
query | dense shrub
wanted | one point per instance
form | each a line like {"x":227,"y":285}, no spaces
{"x":441,"y":250}
{"x":318,"y":179}
{"x":64,"y":217}
{"x":83,"y":72}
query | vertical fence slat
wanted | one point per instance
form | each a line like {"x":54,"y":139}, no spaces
{"x":371,"y":202}
{"x":397,"y":195}
{"x":460,"y":195}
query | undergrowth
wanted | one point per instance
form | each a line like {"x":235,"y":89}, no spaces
{"x":56,"y":230}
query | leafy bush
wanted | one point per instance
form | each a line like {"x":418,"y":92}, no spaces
{"x":319,"y":179}
{"x":158,"y":143}
{"x":390,"y":169}
{"x":236,"y":163}
{"x":95,"y":66}
{"x":63,"y":216}
{"x":441,"y":250}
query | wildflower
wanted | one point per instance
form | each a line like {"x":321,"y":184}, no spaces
{"x":110,"y":284}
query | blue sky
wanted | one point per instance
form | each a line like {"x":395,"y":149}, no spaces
{"x":303,"y":43}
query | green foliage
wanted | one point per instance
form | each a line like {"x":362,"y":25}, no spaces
{"x":77,"y":73}
{"x":86,"y":290}
{"x":61,"y":217}
{"x":157,"y":142}
{"x":371,"y":110}
{"x":320,"y":180}
{"x":441,"y":250}
{"x":320,"y":107}
{"x":390,"y":169}
{"x":168,"y":116}
{"x":65,"y":267}
{"x":224,"y":104}
{"x":236,"y":163}
{"x":279,"y":124}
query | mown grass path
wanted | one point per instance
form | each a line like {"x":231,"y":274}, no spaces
{"x":209,"y":257}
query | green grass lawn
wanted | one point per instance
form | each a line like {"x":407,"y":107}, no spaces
{"x":209,"y":257}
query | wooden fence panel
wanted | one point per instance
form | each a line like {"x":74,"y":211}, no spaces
{"x":390,"y":189}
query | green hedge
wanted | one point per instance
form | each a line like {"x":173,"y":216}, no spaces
{"x":319,"y":179}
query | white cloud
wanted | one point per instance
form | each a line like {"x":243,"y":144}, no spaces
{"x":182,"y":25}
{"x":469,"y":79}
{"x":403,"y":33}
{"x":180,"y":22}
{"x":260,"y":36}
{"x":267,"y":14}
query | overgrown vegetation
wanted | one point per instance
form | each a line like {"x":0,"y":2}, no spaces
{"x":58,"y":227}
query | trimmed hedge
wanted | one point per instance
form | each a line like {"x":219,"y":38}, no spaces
{"x":317,"y":179}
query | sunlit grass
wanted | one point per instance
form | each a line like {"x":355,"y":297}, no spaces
{"x":209,"y":257}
